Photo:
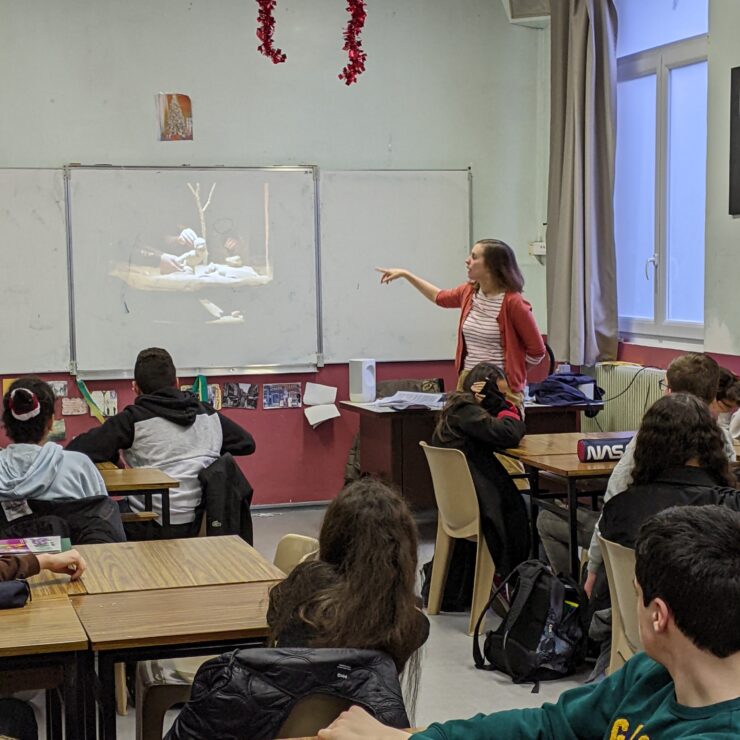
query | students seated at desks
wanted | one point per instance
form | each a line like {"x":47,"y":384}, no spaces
{"x":697,"y":374}
{"x":679,"y":461}
{"x":45,"y":489}
{"x":687,"y":682}
{"x":480,"y":422}
{"x":168,"y":429}
{"x":694,"y":373}
{"x":357,"y":593}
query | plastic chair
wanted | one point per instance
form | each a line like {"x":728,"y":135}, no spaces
{"x":459,"y":518}
{"x":619,"y":562}
{"x":153,"y":699}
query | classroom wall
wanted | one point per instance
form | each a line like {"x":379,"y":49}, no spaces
{"x":721,"y":319}
{"x":448,"y":85}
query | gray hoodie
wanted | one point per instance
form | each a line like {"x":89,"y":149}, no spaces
{"x":47,"y":472}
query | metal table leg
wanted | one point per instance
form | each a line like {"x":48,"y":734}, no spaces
{"x":573,"y":528}
{"x":534,"y":490}
{"x":107,"y":697}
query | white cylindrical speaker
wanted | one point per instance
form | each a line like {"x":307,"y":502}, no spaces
{"x":362,"y":381}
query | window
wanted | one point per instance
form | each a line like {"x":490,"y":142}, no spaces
{"x":660,"y":178}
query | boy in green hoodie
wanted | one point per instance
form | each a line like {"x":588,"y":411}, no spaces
{"x":687,"y":682}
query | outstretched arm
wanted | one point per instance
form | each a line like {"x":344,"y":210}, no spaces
{"x":389,"y":274}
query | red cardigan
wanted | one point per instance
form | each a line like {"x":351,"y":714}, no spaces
{"x":519,"y":333}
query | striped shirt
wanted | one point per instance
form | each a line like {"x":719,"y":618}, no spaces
{"x":481,"y":331}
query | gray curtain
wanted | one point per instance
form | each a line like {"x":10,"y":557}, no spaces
{"x":581,"y":260}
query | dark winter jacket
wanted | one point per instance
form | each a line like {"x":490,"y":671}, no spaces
{"x":248,"y":694}
{"x":623,"y":515}
{"x":170,"y":430}
{"x":85,"y":521}
{"x":227,"y":498}
{"x":503,"y":512}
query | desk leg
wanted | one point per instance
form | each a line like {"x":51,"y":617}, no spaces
{"x":165,"y":499}
{"x":107,"y":697}
{"x":534,"y":509}
{"x":573,"y":527}
{"x":53,"y":715}
{"x":79,"y":698}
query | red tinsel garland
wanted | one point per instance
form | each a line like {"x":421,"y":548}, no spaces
{"x":265,"y":30}
{"x":352,"y":43}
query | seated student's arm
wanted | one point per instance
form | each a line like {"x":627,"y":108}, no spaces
{"x":236,"y":440}
{"x":583,"y":713}
{"x":501,"y":431}
{"x":18,"y":566}
{"x":104,"y":443}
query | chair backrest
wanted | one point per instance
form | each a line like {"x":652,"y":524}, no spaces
{"x":293,"y":549}
{"x":311,"y":714}
{"x":619,"y":562}
{"x":453,"y":489}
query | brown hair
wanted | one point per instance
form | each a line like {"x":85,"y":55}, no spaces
{"x":154,"y":370}
{"x":696,"y":373}
{"x":675,"y":429}
{"x":31,"y":391}
{"x":360,"y":592}
{"x":728,"y":388}
{"x":501,"y":262}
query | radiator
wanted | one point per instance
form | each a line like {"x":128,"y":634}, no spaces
{"x":629,"y":390}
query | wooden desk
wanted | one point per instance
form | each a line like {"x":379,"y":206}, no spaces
{"x":48,"y":585}
{"x":571,"y":469}
{"x":46,"y":635}
{"x":148,"y":625}
{"x":146,"y":481}
{"x":173,"y":564}
{"x":563,"y":443}
{"x":389,"y":443}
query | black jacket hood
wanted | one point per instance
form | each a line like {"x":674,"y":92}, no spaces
{"x":179,"y":407}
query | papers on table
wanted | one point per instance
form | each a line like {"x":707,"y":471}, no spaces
{"x":410,"y":399}
{"x":319,"y":403}
{"x":31,"y":544}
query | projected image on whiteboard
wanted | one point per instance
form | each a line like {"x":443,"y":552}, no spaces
{"x":198,"y":247}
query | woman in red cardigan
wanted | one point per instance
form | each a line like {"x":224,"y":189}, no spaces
{"x":496,"y":323}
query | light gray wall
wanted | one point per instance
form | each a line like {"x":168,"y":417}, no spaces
{"x":721,"y":315}
{"x":449,"y":83}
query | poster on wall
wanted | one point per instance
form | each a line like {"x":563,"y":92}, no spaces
{"x":735,"y":142}
{"x":175,"y":117}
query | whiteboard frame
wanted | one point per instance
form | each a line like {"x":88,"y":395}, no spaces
{"x":128,"y":373}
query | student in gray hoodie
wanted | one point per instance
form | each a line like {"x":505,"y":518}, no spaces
{"x":31,"y":467}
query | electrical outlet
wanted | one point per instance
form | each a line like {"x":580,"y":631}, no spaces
{"x":538,"y":249}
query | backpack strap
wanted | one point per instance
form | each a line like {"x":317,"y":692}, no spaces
{"x":477,"y":655}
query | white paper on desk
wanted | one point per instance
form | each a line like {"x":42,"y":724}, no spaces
{"x":319,"y":414}
{"x":404,"y":399}
{"x":316,"y":394}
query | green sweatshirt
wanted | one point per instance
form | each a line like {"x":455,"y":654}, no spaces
{"x":635,"y":703}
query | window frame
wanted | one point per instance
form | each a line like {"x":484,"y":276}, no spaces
{"x":659,"y":61}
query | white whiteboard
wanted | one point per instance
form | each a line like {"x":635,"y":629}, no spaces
{"x":261,"y":310}
{"x":34,"y":304}
{"x":419,"y":220}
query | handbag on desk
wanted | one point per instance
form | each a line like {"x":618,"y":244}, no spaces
{"x":14,"y":594}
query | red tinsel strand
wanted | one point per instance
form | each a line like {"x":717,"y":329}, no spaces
{"x":265,"y":30}
{"x":352,"y":43}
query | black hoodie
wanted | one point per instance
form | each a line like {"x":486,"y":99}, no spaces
{"x":173,"y":431}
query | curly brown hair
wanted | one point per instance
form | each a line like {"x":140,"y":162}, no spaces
{"x":675,"y":429}
{"x":360,"y":591}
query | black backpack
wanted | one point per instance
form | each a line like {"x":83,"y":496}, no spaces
{"x":543,"y":636}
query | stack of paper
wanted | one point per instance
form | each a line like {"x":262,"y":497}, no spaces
{"x":319,"y":403}
{"x":409,"y":399}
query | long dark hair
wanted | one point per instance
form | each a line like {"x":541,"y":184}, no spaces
{"x":675,"y":429}
{"x":360,"y":592}
{"x":501,"y":262}
{"x":446,"y":430}
{"x":25,"y":396}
